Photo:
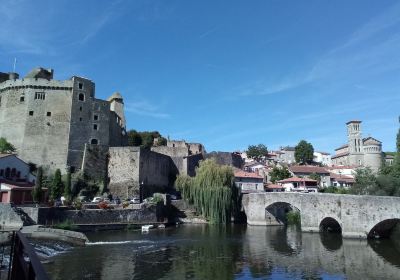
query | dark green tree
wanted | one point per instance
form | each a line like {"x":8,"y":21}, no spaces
{"x":68,"y":186}
{"x":257,"y":152}
{"x":365,"y":182}
{"x":134,"y":138}
{"x":5,"y":146}
{"x":278,"y":174}
{"x":57,"y":186}
{"x":304,"y":152}
{"x":316,"y":177}
{"x":37,"y":190}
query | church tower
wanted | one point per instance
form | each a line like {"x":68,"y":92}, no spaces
{"x":355,"y":143}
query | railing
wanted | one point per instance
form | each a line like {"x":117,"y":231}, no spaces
{"x":25,"y":264}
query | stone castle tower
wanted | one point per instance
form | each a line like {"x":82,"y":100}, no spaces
{"x":51,"y":122}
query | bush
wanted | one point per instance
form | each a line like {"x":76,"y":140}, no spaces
{"x":293,"y":218}
{"x":66,"y":225}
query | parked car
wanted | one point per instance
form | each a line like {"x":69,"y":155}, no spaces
{"x":97,"y":199}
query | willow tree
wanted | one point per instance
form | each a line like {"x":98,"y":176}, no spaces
{"x":212,"y":191}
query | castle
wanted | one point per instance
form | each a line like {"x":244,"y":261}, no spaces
{"x":52,"y":123}
{"x":366,"y":152}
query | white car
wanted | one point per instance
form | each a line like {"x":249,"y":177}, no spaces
{"x":97,"y":199}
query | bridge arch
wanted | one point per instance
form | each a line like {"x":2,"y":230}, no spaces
{"x":276,"y":213}
{"x":384,"y":228}
{"x":330,"y":224}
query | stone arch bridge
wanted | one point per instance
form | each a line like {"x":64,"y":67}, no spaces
{"x":358,"y":216}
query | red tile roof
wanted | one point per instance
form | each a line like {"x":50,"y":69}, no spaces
{"x":342,"y":178}
{"x":244,"y":174}
{"x":341,"y":147}
{"x":340,"y":155}
{"x":297,"y":179}
{"x":308,"y":169}
{"x":274,"y":186}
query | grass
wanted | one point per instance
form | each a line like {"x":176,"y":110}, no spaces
{"x":293,"y":218}
{"x":66,"y":225}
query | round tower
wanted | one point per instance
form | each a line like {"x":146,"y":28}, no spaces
{"x":372,"y":153}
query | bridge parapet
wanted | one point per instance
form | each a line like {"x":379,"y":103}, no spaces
{"x":357,"y":215}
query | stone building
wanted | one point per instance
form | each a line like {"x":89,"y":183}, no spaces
{"x":49,"y":121}
{"x":364,"y":152}
{"x":135,"y":170}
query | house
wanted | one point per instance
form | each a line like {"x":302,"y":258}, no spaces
{"x":339,"y":180}
{"x":274,"y":188}
{"x":389,"y":159}
{"x":248,"y":181}
{"x":296,"y":184}
{"x":323,"y":158}
{"x":14,"y":169}
{"x":286,"y":155}
{"x":16,"y":181}
{"x":307,"y":170}
{"x":349,"y":171}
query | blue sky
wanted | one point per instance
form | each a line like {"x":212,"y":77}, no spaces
{"x":223,"y":73}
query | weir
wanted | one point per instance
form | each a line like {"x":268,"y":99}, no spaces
{"x":356,"y":216}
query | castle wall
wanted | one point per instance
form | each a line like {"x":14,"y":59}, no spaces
{"x":35,"y":118}
{"x":132,"y":167}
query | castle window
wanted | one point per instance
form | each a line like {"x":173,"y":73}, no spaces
{"x":95,"y":117}
{"x":81,"y":97}
{"x":48,"y":114}
{"x":80,"y":86}
{"x":80,"y":119}
{"x":22,"y":98}
{"x":95,"y":127}
{"x":80,"y":108}
{"x":30,"y":113}
{"x":94,"y":142}
{"x":40,"y":96}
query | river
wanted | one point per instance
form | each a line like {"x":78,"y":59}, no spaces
{"x":232,"y":252}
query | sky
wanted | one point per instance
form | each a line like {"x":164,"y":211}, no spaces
{"x":227,"y":74}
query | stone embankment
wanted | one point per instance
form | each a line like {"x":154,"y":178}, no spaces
{"x":72,"y":237}
{"x":9,"y":218}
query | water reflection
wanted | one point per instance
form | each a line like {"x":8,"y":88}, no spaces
{"x":237,"y":252}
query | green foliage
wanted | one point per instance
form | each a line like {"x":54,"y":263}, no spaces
{"x":278,"y":174}
{"x":156,"y":198}
{"x":365,"y":181}
{"x":37,"y":190}
{"x":68,"y":184}
{"x":316,"y":177}
{"x":66,"y":225}
{"x":57,"y":186}
{"x":145,"y":138}
{"x":293,"y":218}
{"x":5,"y":146}
{"x":336,"y":190}
{"x":211,"y":191}
{"x":304,"y":152}
{"x":257,"y":152}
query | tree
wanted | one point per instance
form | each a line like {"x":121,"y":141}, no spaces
{"x":316,"y":177}
{"x":212,"y":191}
{"x":278,"y":174}
{"x":134,"y":138}
{"x":57,"y":186}
{"x":304,"y":152}
{"x":5,"y":146}
{"x":257,"y":152}
{"x":67,"y":188}
{"x":37,"y":190}
{"x":365,"y":182}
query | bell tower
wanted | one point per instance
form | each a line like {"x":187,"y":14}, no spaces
{"x":354,"y":136}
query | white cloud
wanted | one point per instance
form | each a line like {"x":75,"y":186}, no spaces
{"x":144,"y":108}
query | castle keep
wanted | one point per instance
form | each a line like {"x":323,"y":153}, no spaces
{"x":51,"y":122}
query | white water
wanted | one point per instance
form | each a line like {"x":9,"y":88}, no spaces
{"x":118,"y":242}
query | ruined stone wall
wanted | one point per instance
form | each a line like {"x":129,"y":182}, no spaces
{"x":123,"y":171}
{"x":226,"y":158}
{"x":94,"y":163}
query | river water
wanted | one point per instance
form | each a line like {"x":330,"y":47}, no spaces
{"x":232,"y":252}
